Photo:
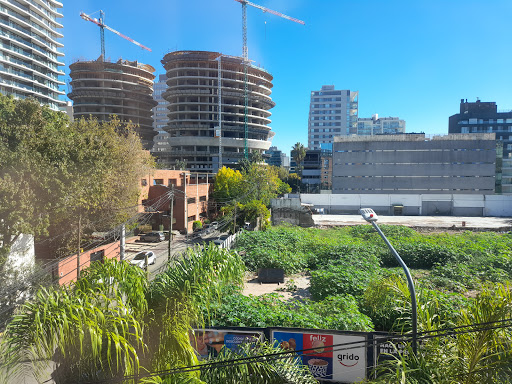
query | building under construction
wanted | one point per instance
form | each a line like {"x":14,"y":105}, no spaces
{"x":207,"y":109}
{"x":102,"y":89}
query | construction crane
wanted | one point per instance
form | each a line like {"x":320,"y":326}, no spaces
{"x":100,"y":23}
{"x":245,"y":56}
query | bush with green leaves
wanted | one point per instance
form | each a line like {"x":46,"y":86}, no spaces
{"x":284,"y":370}
{"x":197,"y":225}
{"x":347,"y":273}
{"x":340,"y":312}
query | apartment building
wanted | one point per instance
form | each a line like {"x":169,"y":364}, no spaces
{"x":376,"y":125}
{"x":30,"y":51}
{"x":331,"y":113}
{"x":209,"y":124}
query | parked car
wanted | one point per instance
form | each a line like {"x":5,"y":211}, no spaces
{"x":220,"y":240}
{"x":153,"y":236}
{"x":140,"y":259}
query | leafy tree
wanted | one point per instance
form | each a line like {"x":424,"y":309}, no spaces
{"x":180,"y":164}
{"x":55,"y":174}
{"x":294,"y":181}
{"x":228,"y":184}
{"x":298,"y":155}
{"x":252,"y":211}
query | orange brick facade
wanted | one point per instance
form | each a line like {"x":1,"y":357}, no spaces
{"x":191,"y":197}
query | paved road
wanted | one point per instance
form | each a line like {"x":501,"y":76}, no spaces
{"x":178,"y":245}
{"x":458,"y":222}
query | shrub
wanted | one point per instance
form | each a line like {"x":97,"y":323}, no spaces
{"x":349,"y":275}
{"x":269,"y":310}
{"x":197,"y":225}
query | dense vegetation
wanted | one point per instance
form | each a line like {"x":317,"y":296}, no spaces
{"x":461,"y":280}
{"x":113,"y":323}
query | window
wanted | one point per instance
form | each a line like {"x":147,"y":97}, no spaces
{"x":158,"y":181}
{"x":172,"y":182}
{"x":143,"y":182}
{"x":191,"y":200}
{"x":202,"y":198}
{"x":192,"y":218}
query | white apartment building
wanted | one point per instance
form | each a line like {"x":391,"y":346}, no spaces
{"x":29,"y":50}
{"x":379,"y":126}
{"x":331,"y":113}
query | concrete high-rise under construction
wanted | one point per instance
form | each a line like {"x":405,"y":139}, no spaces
{"x":30,"y":51}
{"x":207,"y":109}
{"x":102,"y":89}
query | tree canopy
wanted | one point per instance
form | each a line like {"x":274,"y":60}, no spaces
{"x":249,"y":191}
{"x":52,"y":170}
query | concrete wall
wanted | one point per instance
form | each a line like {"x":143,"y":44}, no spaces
{"x":400,"y":164}
{"x":65,"y":271}
{"x":414,"y":205}
{"x":291,"y":211}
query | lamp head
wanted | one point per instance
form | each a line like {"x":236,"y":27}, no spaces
{"x":368,"y":214}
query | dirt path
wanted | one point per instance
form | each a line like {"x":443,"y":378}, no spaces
{"x":294,"y":287}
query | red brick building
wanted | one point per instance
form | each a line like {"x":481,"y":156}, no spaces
{"x":191,"y":197}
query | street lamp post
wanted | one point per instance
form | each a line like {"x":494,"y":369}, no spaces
{"x":370,"y":216}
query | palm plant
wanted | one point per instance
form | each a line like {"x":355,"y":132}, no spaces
{"x":90,"y":330}
{"x":298,"y":155}
{"x":283,"y":369}
{"x":194,"y":280}
{"x":477,"y":353}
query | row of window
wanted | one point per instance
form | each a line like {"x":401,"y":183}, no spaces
{"x":413,"y":150}
{"x":484,"y":121}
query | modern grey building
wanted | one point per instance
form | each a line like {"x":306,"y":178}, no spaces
{"x":331,"y":113}
{"x":380,"y":125}
{"x":161,"y":145}
{"x":483,"y":117}
{"x":415,"y":164}
{"x":207,"y":109}
{"x":30,"y":50}
{"x":277,"y":158}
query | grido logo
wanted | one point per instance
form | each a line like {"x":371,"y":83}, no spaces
{"x":348,"y":360}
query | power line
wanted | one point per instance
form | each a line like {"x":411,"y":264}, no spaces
{"x":277,"y":355}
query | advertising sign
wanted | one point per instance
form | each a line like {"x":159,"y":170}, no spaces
{"x":209,"y":342}
{"x":326,"y":355}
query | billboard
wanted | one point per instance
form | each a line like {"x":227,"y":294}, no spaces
{"x":209,"y":342}
{"x":326,"y":353}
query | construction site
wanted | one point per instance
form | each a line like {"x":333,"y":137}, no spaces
{"x":102,"y":89}
{"x":206,"y":109}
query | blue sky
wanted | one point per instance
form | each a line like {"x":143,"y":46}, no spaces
{"x":413,"y":59}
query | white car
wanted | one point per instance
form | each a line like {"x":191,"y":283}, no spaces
{"x":140,"y":259}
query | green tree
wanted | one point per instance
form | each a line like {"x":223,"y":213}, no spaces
{"x":298,"y":155}
{"x":56,"y":173}
{"x":228,"y":184}
{"x":293,"y":180}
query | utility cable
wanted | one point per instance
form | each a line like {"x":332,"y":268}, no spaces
{"x":285,"y":354}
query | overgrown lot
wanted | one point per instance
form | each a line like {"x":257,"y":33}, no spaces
{"x":462,"y":283}
{"x":356,"y":278}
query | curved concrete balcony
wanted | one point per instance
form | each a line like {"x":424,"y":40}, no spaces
{"x":226,"y":142}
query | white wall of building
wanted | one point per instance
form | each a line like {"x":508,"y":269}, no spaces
{"x":457,"y":205}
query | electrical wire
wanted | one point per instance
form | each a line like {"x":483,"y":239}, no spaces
{"x":48,"y":267}
{"x":285,"y":354}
